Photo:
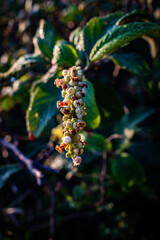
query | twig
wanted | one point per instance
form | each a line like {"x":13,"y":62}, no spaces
{"x":114,"y":136}
{"x":45,"y":153}
{"x":30,"y":164}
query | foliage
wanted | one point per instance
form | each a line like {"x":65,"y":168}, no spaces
{"x":114,"y":194}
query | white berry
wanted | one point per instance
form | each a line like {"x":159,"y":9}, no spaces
{"x":64,"y":72}
{"x":66,"y":139}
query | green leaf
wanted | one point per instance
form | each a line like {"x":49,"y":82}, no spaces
{"x":75,"y":39}
{"x":91,"y":33}
{"x":45,"y":39}
{"x":42,"y":103}
{"x":74,"y":36}
{"x":93,"y":30}
{"x":95,"y":142}
{"x":6,"y":171}
{"x":134,"y":63}
{"x":134,"y":15}
{"x":93,"y":117}
{"x":133,"y":118}
{"x":64,"y":54}
{"x":21,"y":66}
{"x":119,"y":36}
{"x":127,"y":170}
{"x":110,"y":21}
{"x":21,"y":92}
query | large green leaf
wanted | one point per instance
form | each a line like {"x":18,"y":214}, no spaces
{"x":21,"y":66}
{"x":93,"y":117}
{"x":119,"y":36}
{"x":127,"y":170}
{"x":42,"y":103}
{"x":93,"y":30}
{"x":133,"y":118}
{"x":134,"y":63}
{"x":45,"y":39}
{"x":64,"y":54}
{"x":6,"y":171}
{"x":91,"y":33}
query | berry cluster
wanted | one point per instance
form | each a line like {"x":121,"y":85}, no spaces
{"x":73,"y":109}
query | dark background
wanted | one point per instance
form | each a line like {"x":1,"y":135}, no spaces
{"x":72,"y":204}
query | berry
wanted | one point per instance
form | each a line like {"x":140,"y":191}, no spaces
{"x":66,"y":140}
{"x":73,"y":109}
{"x":64,"y":72}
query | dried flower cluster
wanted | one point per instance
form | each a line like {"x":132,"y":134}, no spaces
{"x":73,"y":109}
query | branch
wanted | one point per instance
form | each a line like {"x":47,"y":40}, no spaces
{"x":30,"y":164}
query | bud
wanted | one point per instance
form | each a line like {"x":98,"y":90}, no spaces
{"x":79,"y":94}
{"x":77,"y":160}
{"x":72,"y":132}
{"x":64,"y":111}
{"x":76,"y":151}
{"x":73,"y":72}
{"x":64,"y":86}
{"x":80,"y":116}
{"x":71,"y":91}
{"x":69,"y":123}
{"x":72,"y":83}
{"x":74,"y":97}
{"x":77,"y":103}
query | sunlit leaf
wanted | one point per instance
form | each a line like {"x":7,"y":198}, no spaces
{"x":92,"y":118}
{"x":85,"y":39}
{"x":45,"y":39}
{"x":119,"y":36}
{"x":21,"y":66}
{"x":42,"y":103}
{"x":64,"y":54}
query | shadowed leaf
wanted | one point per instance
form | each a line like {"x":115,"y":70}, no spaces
{"x":127,"y":170}
{"x":6,"y":171}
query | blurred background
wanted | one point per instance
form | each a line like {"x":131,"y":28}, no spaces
{"x":93,"y":201}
